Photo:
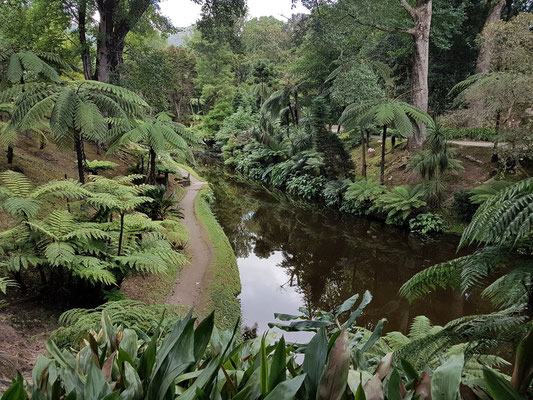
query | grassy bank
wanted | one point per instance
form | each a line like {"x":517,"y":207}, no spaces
{"x":222,"y":284}
{"x":191,"y":171}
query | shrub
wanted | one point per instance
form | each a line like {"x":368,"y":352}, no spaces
{"x":333,"y":192}
{"x":306,"y":186}
{"x":426,"y":224}
{"x":361,"y":195}
{"x":463,"y":206}
{"x":478,"y":133}
{"x":213,"y":121}
{"x":400,"y":203}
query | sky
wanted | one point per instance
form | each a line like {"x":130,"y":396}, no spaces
{"x":185,"y":13}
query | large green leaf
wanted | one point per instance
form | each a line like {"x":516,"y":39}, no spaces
{"x":315,"y":360}
{"x":287,"y":390}
{"x":498,"y":387}
{"x":447,"y":379}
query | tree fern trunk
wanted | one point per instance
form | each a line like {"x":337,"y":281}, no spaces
{"x":393,"y":142}
{"x":10,"y":155}
{"x":121,"y":235}
{"x":151,"y":177}
{"x":18,"y":278}
{"x":383,"y":148}
{"x":363,"y":152}
{"x":80,"y":154}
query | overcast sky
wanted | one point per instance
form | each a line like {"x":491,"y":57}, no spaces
{"x":184,"y":12}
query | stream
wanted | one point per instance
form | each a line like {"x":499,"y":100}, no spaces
{"x":293,"y":255}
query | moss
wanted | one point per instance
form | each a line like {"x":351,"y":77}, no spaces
{"x":223,"y":284}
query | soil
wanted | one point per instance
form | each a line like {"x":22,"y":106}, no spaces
{"x":475,"y":159}
{"x":24,"y":325}
{"x":187,"y":289}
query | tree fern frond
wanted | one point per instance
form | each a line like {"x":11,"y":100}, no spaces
{"x":59,"y":254}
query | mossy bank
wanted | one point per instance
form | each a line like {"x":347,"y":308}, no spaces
{"x":222,"y":283}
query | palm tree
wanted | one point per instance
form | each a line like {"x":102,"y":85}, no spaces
{"x":434,"y":161}
{"x":161,"y":135}
{"x":77,"y":110}
{"x":384,"y":113}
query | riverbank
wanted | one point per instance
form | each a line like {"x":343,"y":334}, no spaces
{"x":222,"y":284}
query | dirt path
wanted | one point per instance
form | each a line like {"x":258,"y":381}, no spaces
{"x":471,"y":143}
{"x":186,"y":291}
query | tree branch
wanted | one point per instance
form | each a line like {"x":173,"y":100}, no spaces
{"x":408,"y":8}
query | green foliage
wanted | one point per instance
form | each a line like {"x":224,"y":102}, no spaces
{"x":20,"y":198}
{"x":484,"y":192}
{"x":96,"y":166}
{"x":162,"y":205}
{"x":6,"y":283}
{"x":334,"y":191}
{"x":426,"y":224}
{"x":434,"y":162}
{"x":361,"y":195}
{"x":400,"y":203}
{"x":306,"y":186}
{"x":477,"y":133}
{"x":463,"y":206}
{"x":213,"y":121}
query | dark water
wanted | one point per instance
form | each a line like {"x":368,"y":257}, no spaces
{"x":293,"y":256}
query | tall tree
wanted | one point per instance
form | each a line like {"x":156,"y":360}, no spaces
{"x":485,"y":51}
{"x":117,"y":18}
{"x":415,"y":20}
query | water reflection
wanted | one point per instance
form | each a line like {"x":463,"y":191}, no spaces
{"x":291,"y":256}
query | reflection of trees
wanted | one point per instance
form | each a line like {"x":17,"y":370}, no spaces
{"x":329,"y":258}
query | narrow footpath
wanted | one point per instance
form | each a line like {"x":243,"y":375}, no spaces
{"x":187,"y":289}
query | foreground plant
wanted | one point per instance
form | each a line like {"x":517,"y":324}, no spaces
{"x":183,"y":362}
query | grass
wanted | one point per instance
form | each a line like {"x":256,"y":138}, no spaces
{"x":191,"y":171}
{"x":223,"y":284}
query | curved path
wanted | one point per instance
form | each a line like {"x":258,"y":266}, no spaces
{"x":187,"y":289}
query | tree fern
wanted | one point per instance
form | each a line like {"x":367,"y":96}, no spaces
{"x":384,"y":113}
{"x":76,"y":109}
{"x":20,"y":198}
{"x":399,"y":203}
{"x":161,"y":135}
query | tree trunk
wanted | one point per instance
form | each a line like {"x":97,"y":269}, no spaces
{"x":383,"y":149}
{"x":363,"y":147}
{"x":115,"y":23}
{"x":121,"y":234}
{"x":485,"y":51}
{"x":421,"y":15}
{"x":82,"y":35}
{"x":80,"y":155}
{"x":152,"y":176}
{"x":10,"y":155}
{"x":393,"y":143}
{"x":166,"y":179}
{"x":18,"y":278}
